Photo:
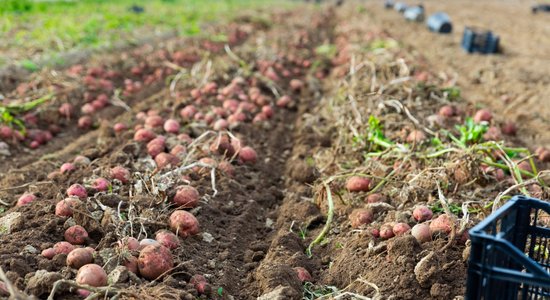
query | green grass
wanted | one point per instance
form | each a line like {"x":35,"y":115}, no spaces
{"x":38,"y":28}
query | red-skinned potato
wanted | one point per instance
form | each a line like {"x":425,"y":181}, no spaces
{"x":401,"y":229}
{"x":76,"y":235}
{"x":386,"y":231}
{"x":63,"y":248}
{"x":101,"y":184}
{"x":200,"y":283}
{"x":64,"y":207}
{"x":416,"y":136}
{"x":248,"y":155}
{"x":509,"y":128}
{"x":227,"y":168}
{"x":48,"y":253}
{"x":167,"y":239}
{"x":120,"y":173}
{"x":358,"y":184}
{"x":164,"y":160}
{"x":67,"y":168}
{"x":130,"y":243}
{"x":483,"y":115}
{"x":303,"y":274}
{"x":361,"y":216}
{"x":422,"y":233}
{"x":375,"y":198}
{"x":184,"y":223}
{"x":186,"y":197}
{"x":154,"y":121}
{"x":77,"y":190}
{"x":144,"y":135}
{"x":91,"y":274}
{"x":447,"y":111}
{"x":120,"y":127}
{"x":171,"y":126}
{"x":442,"y":224}
{"x":85,"y":122}
{"x":79,"y":257}
{"x":422,"y":213}
{"x":131,"y":263}
{"x":154,"y":260}
{"x":147,"y":242}
{"x":25,"y":199}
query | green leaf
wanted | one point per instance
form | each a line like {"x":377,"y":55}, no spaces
{"x":220,"y":291}
{"x":29,"y":65}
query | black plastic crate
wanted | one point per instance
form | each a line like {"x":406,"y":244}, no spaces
{"x":480,"y":40}
{"x":510,"y":253}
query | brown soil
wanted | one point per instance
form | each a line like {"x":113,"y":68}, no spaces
{"x":256,"y":230}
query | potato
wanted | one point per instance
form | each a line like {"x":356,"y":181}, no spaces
{"x":67,"y":168}
{"x":91,"y":274}
{"x":131,"y":263}
{"x":167,"y":239}
{"x":81,"y":160}
{"x":303,"y":274}
{"x":144,"y":135}
{"x":25,"y":199}
{"x":375,"y":198}
{"x":48,"y":253}
{"x":188,"y":112}
{"x":386,"y":231}
{"x":63,"y":248}
{"x":442,"y":224}
{"x":129,"y":243}
{"x":422,"y":213}
{"x":220,"y":124}
{"x":483,"y":115}
{"x":361,"y":216}
{"x":154,"y":121}
{"x":284,"y":101}
{"x":120,"y":127}
{"x":509,"y":128}
{"x":120,"y":173}
{"x":64,"y":207}
{"x":186,"y":197}
{"x":85,"y":122}
{"x":77,"y":190}
{"x":164,"y":160}
{"x":416,"y":136}
{"x":101,"y":184}
{"x":147,"y":242}
{"x":421,"y":233}
{"x":171,"y":126}
{"x":200,"y":284}
{"x":227,"y":168}
{"x":447,"y":111}
{"x":401,"y":229}
{"x":248,"y":155}
{"x":358,"y":184}
{"x":76,"y":235}
{"x":154,"y":260}
{"x":79,"y":257}
{"x":184,"y":223}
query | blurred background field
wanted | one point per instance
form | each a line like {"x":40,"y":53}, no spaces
{"x":45,"y":29}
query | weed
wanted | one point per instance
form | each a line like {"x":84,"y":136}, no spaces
{"x":312,"y":291}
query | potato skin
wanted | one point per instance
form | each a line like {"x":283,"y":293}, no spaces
{"x":167,"y":239}
{"x":154,"y":260}
{"x":91,"y":274}
{"x":358,"y":184}
{"x":79,"y":257}
{"x":361,"y":216}
{"x":76,"y":235}
{"x":184,"y":223}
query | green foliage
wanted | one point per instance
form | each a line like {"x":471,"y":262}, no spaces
{"x":312,"y":291}
{"x":453,"y":207}
{"x":29,"y":65}
{"x":328,"y":50}
{"x":9,"y":113}
{"x":382,"y":44}
{"x":453,"y":92}
{"x":471,"y":132}
{"x":375,"y":135}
